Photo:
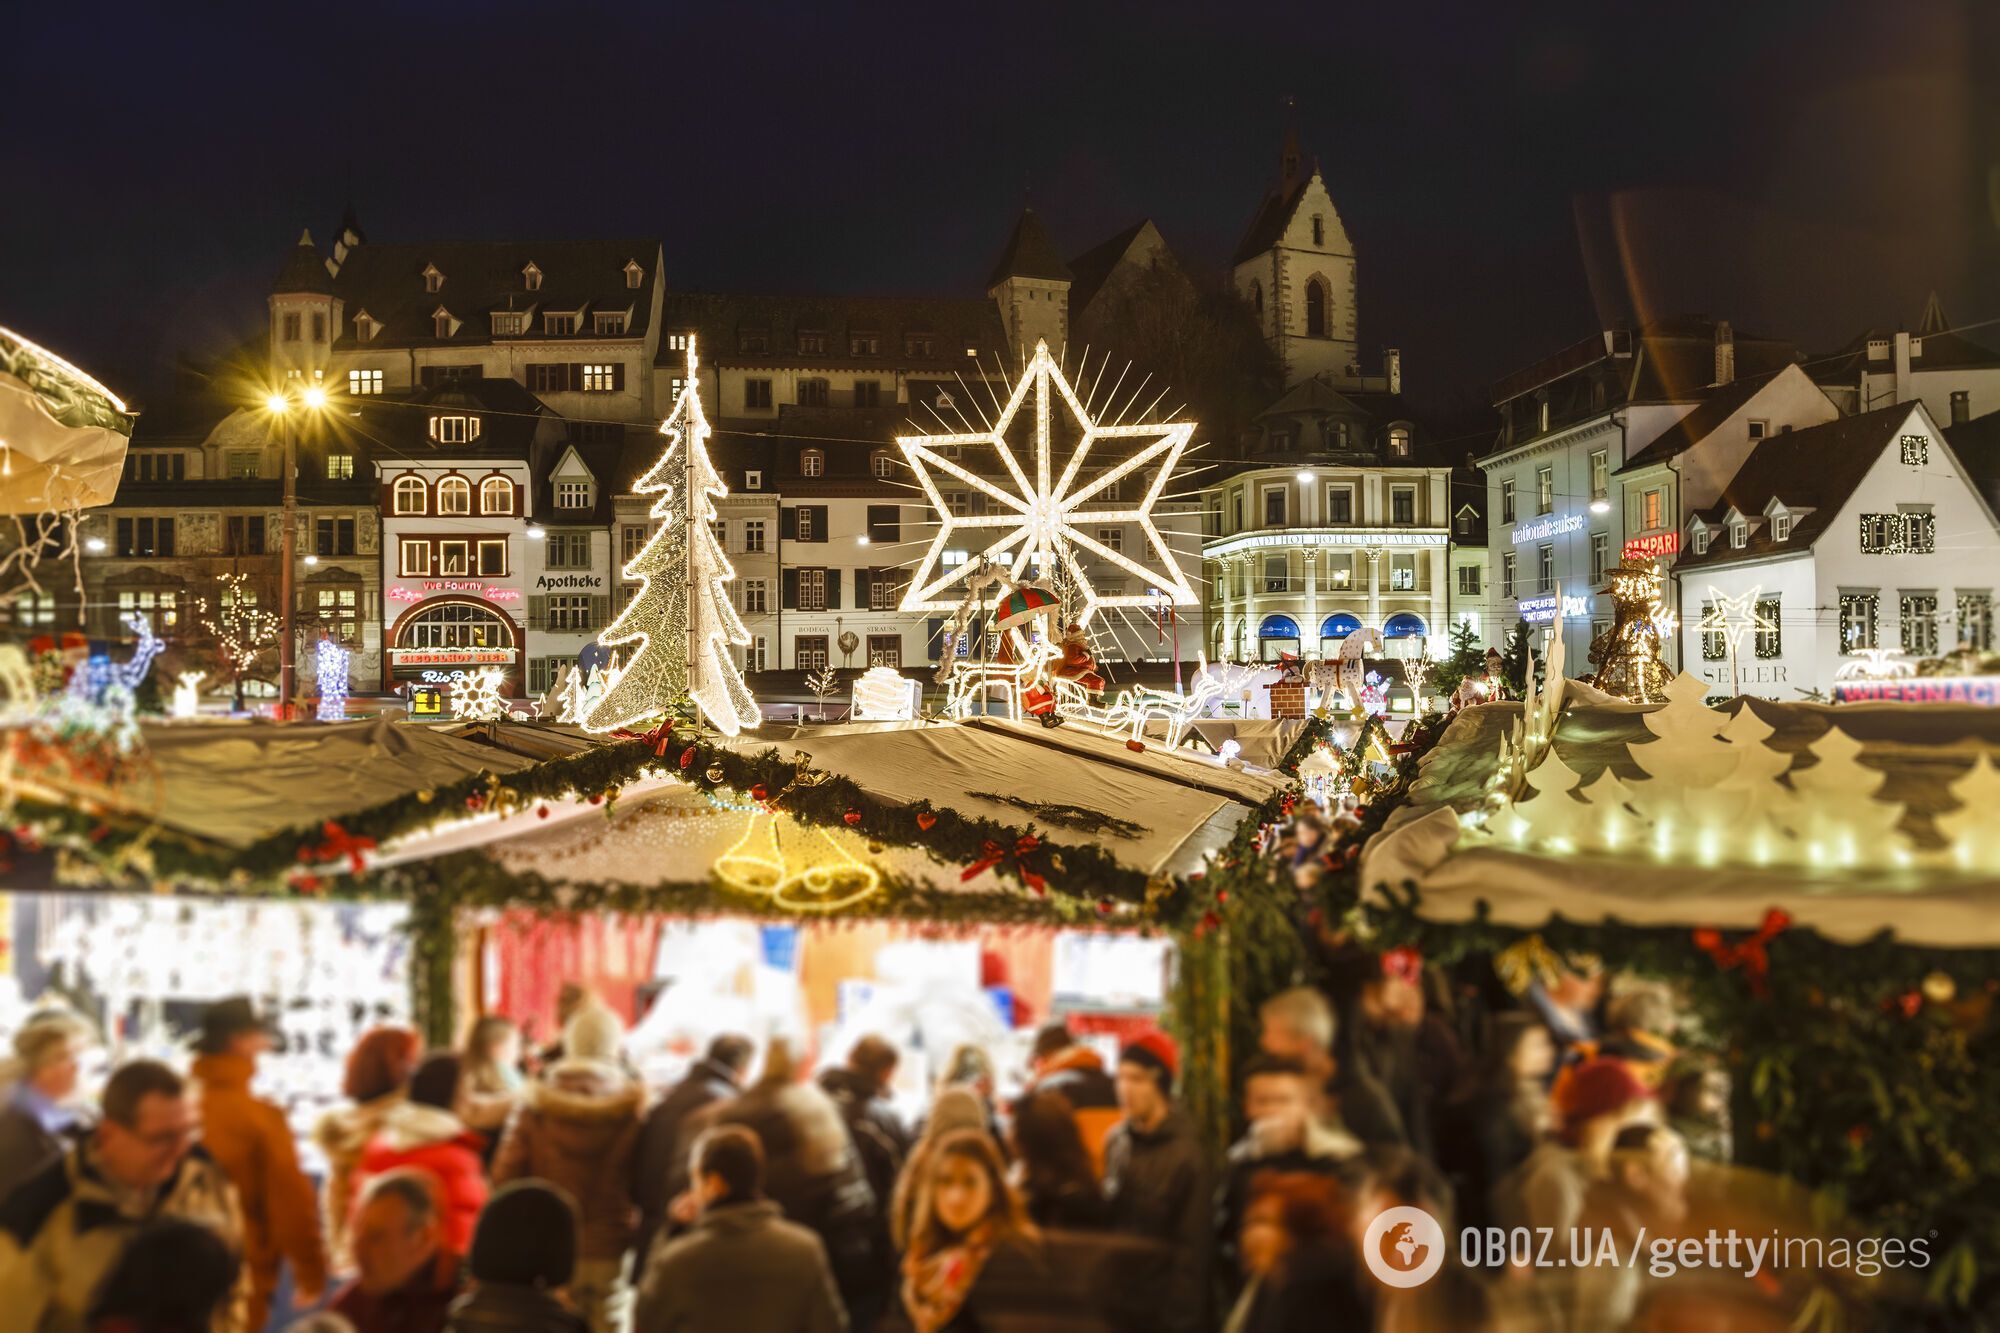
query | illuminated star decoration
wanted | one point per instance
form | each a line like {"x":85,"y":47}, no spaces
{"x":1047,"y":517}
{"x":1733,"y":617}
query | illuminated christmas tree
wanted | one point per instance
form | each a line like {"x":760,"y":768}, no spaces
{"x":681,"y":618}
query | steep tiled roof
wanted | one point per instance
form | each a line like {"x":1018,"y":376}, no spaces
{"x":305,"y":270}
{"x":1817,"y":468}
{"x":1029,"y":254}
{"x":1977,"y":444}
{"x":481,"y":277}
{"x":1716,"y":407}
{"x":509,"y":415}
{"x":1089,"y":269}
{"x":1268,"y":224}
{"x":1939,"y":351}
{"x":726,"y":323}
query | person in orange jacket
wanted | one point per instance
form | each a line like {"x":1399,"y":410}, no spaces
{"x":250,"y":1140}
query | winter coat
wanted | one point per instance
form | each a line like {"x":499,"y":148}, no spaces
{"x":1325,"y":1150}
{"x":437,"y":1142}
{"x":1317,"y":1289}
{"x":1072,"y":1205}
{"x":27,"y":1143}
{"x":251,"y":1141}
{"x":660,"y":1164}
{"x":63,"y":1231}
{"x":812,"y":1172}
{"x":506,"y":1307}
{"x":1078,"y":1074}
{"x":1157,"y":1182}
{"x":742,"y":1269}
{"x":340,"y":1135}
{"x":418,"y":1306}
{"x":578,"y":1129}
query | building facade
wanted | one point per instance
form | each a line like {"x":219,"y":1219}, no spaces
{"x":1865,"y":535}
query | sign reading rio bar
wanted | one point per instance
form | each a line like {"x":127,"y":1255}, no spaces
{"x":1981,"y":690}
{"x":1547,"y":526}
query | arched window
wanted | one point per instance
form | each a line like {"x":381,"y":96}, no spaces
{"x":1315,"y":309}
{"x":410,"y":495}
{"x":454,"y":496}
{"x":1403,"y":625}
{"x":455,"y":625}
{"x":1276,"y":636}
{"x":1257,"y":298}
{"x":812,"y":463}
{"x":1338,"y":626}
{"x":496,"y":496}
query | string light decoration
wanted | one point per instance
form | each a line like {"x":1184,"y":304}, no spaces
{"x":1732,"y":618}
{"x":1874,"y":664}
{"x":187,"y":695}
{"x":1048,"y":515}
{"x":1627,"y":656}
{"x":970,"y":682}
{"x":801,"y":869}
{"x":242,"y":633}
{"x":883,"y":694}
{"x":681,"y":618}
{"x":330,"y":671}
{"x":476,"y":696}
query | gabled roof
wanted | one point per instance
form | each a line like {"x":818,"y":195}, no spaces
{"x":719,"y":319}
{"x":1267,"y":225}
{"x":481,"y":277}
{"x":602,"y":460}
{"x":1938,"y":351}
{"x":508,"y":415}
{"x":1977,"y":444}
{"x":1313,"y":394}
{"x":1029,"y":254}
{"x":305,"y":270}
{"x":1718,"y":406}
{"x":1817,"y":468}
{"x":1089,"y":269}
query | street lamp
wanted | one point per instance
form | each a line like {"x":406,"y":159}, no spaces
{"x":311,"y":398}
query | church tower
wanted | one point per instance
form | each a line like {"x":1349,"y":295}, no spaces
{"x":305,"y":315}
{"x":1030,"y":284}
{"x":1295,"y":266}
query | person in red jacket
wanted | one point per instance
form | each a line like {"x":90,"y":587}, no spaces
{"x":424,"y":1133}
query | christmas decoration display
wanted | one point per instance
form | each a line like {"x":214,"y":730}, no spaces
{"x":1627,"y":656}
{"x":1322,"y":774}
{"x":1354,"y":651}
{"x":187,"y":695}
{"x":1874,"y":664}
{"x":241,"y":632}
{"x":1134,"y":708}
{"x":98,"y":674}
{"x":476,"y":696}
{"x":558,"y":703}
{"x":970,"y":682}
{"x":1051,"y":510}
{"x":883,"y":694}
{"x":1731,"y":618}
{"x":1288,"y":692}
{"x":681,"y":618}
{"x":1972,"y":833}
{"x":330,"y":671}
{"x":1417,"y":671}
{"x":62,"y":434}
{"x":822,"y":683}
{"x":795,"y":867}
{"x":18,"y":696}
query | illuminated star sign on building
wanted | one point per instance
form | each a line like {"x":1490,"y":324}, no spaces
{"x":1046,"y":516}
{"x":1734,"y":617}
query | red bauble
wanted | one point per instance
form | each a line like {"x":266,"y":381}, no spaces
{"x":759,"y":792}
{"x":687,"y":756}
{"x":1135,"y":746}
{"x":541,"y":812}
{"x":852,"y":817}
{"x":926,"y":820}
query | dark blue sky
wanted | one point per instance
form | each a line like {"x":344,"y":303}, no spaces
{"x":1512,"y":173}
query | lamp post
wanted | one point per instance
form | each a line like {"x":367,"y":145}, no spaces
{"x":313,"y":398}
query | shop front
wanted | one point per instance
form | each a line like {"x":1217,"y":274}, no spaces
{"x":448,"y":631}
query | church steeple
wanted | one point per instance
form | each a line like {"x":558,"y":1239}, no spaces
{"x":1291,"y":161}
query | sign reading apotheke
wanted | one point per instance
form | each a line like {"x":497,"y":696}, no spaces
{"x":1547,"y":526}
{"x":548,"y":582}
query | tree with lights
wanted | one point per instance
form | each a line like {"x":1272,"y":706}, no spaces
{"x":681,"y":618}
{"x":242,"y":633}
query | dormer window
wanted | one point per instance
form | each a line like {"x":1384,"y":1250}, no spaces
{"x":559,"y":326}
{"x":1781,"y":527}
{"x":531,"y":277}
{"x":572,"y":495}
{"x":454,"y":428}
{"x":812,"y":463}
{"x":433,"y":278}
{"x":919,"y":344}
{"x":442,"y":324}
{"x":365,"y":327}
{"x":634,"y":275}
{"x":610,"y":322}
{"x":864,"y":344}
{"x":1701,"y":541}
{"x":1399,"y":442}
{"x":1739,"y":535}
{"x":753,"y":480}
{"x":753,"y":340}
{"x":509,"y":323}
{"x":812,"y":342}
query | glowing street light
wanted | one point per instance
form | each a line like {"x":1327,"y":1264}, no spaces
{"x":312,"y":398}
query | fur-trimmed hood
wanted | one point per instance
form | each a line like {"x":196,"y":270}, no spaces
{"x":583,"y":1112}
{"x":413,"y":1125}
{"x":345,"y":1130}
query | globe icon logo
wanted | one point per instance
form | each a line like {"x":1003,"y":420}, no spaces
{"x":1403,"y":1247}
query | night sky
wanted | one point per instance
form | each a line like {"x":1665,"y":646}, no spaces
{"x":1512,"y":174}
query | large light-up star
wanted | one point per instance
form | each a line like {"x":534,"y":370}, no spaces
{"x":1043,"y":518}
{"x":1734,"y":617}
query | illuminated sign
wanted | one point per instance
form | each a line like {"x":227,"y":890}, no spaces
{"x":436,"y":587}
{"x":1981,"y":690}
{"x":1542,"y":610}
{"x":451,"y":657}
{"x":427,"y":701}
{"x":1293,"y":537}
{"x":1651,"y":548}
{"x":1547,"y":526}
{"x":547,"y":581}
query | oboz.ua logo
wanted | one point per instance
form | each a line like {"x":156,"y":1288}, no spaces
{"x":1403,"y":1247}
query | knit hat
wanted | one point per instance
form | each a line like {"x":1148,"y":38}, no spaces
{"x":593,"y":1036}
{"x":1597,"y":1087}
{"x":526,"y":1236}
{"x":1155,"y":1053}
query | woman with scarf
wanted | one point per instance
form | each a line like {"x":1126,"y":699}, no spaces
{"x":974,"y":1260}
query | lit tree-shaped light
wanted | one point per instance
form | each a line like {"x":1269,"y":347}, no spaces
{"x":241,"y":631}
{"x":1973,"y":835}
{"x":1047,"y":513}
{"x":681,"y":618}
{"x":1834,"y":815}
{"x":330,"y":671}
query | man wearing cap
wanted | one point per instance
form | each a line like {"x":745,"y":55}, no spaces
{"x":1598,"y":1099}
{"x":250,"y":1140}
{"x":39,"y":1121}
{"x":1157,"y":1179}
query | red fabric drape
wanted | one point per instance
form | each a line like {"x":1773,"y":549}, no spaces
{"x":533,"y":955}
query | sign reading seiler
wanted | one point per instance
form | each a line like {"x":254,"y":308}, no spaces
{"x":1547,"y":526}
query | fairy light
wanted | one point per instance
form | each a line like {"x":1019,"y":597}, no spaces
{"x":883,"y":694}
{"x":477,"y":697}
{"x":681,"y":617}
{"x":330,"y":670}
{"x":1732,"y":618}
{"x":187,"y":695}
{"x":1048,"y":519}
{"x":241,"y":631}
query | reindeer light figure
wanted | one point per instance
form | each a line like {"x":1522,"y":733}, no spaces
{"x":972,"y":681}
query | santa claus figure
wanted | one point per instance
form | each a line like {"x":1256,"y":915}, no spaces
{"x":1077,"y":664}
{"x":1488,"y":686}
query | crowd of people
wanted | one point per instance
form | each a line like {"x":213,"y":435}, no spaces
{"x":497,"y":1190}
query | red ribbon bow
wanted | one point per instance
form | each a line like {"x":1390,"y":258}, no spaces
{"x":341,"y":844}
{"x":1748,"y":953}
{"x":993,"y":853}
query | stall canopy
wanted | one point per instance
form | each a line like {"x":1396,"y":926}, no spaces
{"x":1885,"y":848}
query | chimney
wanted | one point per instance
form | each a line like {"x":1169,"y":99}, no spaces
{"x":1905,"y":389}
{"x":1725,"y":353}
{"x":1392,"y":366}
{"x":1961,"y":407}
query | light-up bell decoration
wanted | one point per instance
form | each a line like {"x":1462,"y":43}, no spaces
{"x":798,"y":868}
